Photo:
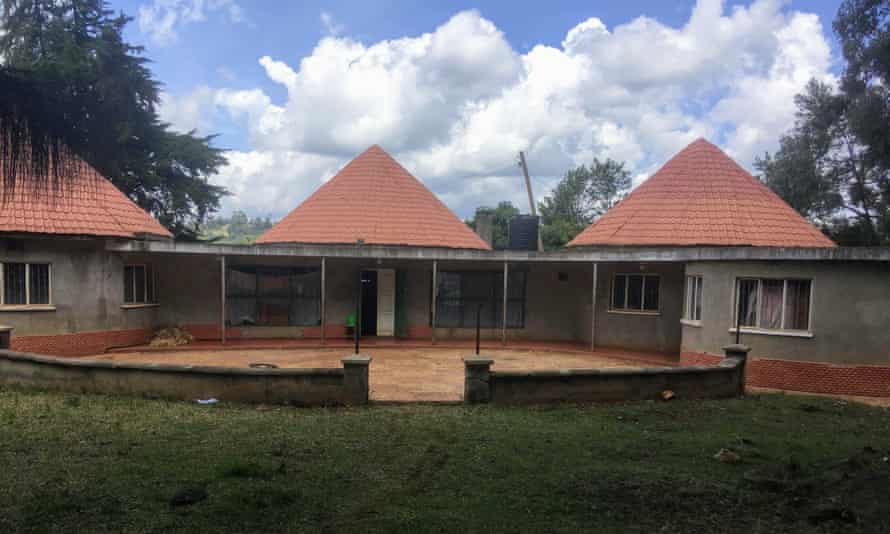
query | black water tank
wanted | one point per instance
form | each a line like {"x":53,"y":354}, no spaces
{"x":524,"y":232}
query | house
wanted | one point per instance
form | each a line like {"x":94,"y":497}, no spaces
{"x":697,"y":255}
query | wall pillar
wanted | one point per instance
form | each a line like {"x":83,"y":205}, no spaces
{"x":355,"y":379}
{"x":477,"y":379}
{"x":739,"y":353}
{"x":5,"y":337}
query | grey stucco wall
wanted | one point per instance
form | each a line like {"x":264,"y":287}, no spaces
{"x":659,"y":332}
{"x":87,"y":289}
{"x":850,"y":311}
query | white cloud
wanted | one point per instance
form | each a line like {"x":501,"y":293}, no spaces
{"x":331,"y":26}
{"x":455,"y":105}
{"x":162,"y":19}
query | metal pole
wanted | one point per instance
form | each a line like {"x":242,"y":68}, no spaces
{"x":593,"y":307}
{"x":323,"y":301}
{"x":504,"y":318}
{"x":358,"y":312}
{"x":531,"y":196}
{"x":478,"y":325}
{"x":222,"y":299}
{"x":435,"y":294}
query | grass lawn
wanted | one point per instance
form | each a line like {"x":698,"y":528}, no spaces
{"x":93,"y":463}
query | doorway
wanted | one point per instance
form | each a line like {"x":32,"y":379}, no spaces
{"x":369,"y":303}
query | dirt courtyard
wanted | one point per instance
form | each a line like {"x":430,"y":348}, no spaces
{"x":396,"y":374}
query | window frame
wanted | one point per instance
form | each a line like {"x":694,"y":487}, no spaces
{"x":146,"y":302}
{"x":634,"y":311}
{"x":697,"y":282}
{"x":28,"y":305}
{"x":782,"y":331}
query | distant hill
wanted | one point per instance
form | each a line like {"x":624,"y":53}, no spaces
{"x":238,"y":229}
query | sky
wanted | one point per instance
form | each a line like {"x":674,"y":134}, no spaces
{"x":454,"y":90}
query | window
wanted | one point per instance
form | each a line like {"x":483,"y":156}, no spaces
{"x":635,"y":293}
{"x":692,"y":300}
{"x":140,"y":282}
{"x":773,"y":304}
{"x":25,"y":284}
{"x":273,"y":296}
{"x":461,"y":295}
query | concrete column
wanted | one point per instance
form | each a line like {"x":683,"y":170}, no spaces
{"x":355,"y":379}
{"x":435,"y":295}
{"x":323,"y":301}
{"x":5,"y":337}
{"x":504,"y":304}
{"x":222,"y":299}
{"x":477,"y":379}
{"x":593,"y":307}
{"x":739,"y":353}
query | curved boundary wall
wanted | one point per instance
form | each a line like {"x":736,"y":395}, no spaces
{"x":809,"y":377}
{"x":302,"y":387}
{"x":726,"y":379}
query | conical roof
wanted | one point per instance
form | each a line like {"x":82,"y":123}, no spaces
{"x":374,"y":199}
{"x":85,"y":203}
{"x":702,"y":197}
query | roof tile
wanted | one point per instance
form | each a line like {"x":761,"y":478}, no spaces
{"x":373,"y":198}
{"x":702,"y":197}
{"x":84,"y":204}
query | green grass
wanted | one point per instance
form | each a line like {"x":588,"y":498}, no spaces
{"x":93,"y":463}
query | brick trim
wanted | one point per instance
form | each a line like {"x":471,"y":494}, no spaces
{"x":811,"y":377}
{"x":81,"y":343}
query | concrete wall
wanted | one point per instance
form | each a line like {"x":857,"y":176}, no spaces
{"x":86,"y":294}
{"x":726,"y":379}
{"x":658,"y":332}
{"x":306,"y":387}
{"x":850,"y":315}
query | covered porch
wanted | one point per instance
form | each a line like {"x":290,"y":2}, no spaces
{"x":326,"y":301}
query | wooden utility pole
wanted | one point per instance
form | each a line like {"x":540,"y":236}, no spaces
{"x":531,"y":197}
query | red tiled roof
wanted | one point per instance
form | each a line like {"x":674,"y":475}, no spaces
{"x":702,"y":197}
{"x":375,"y":199}
{"x":87,"y":204}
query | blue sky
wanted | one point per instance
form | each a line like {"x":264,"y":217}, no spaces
{"x":454,"y":89}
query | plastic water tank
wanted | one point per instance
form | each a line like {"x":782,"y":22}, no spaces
{"x":524,"y":232}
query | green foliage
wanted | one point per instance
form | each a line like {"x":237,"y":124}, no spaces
{"x":583,"y":194}
{"x":834,"y":165}
{"x":107,"y":464}
{"x":502,"y":215}
{"x":238,"y":229}
{"x":70,"y":81}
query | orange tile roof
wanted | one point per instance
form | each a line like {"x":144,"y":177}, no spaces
{"x":374,"y":199}
{"x":88,"y":204}
{"x":702,"y":197}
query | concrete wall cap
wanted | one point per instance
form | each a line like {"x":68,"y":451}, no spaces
{"x":476,"y":360}
{"x":357,"y":359}
{"x":5,"y":328}
{"x":737,"y":348}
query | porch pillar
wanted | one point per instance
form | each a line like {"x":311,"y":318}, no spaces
{"x":504,"y":310}
{"x":222,"y":299}
{"x":593,"y":308}
{"x":435,"y":294}
{"x":323,"y":321}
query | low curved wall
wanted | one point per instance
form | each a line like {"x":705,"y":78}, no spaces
{"x":726,"y":379}
{"x":305,"y":387}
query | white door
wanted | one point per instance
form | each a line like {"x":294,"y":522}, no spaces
{"x":386,"y":302}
